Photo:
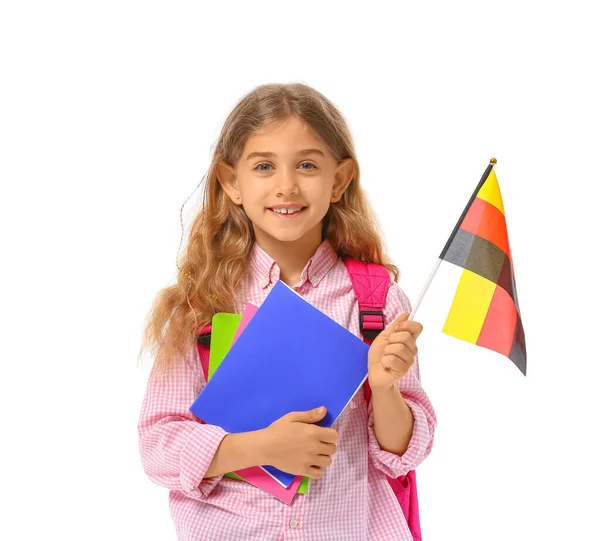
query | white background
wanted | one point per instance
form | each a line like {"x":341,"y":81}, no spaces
{"x":108,"y":111}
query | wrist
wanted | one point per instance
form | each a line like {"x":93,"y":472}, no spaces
{"x":262,"y":446}
{"x":388,"y":390}
{"x":390,"y":398}
{"x":238,"y":452}
{"x":392,"y":420}
{"x":254,"y":447}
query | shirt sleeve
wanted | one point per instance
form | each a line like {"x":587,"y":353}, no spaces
{"x":425,"y":419}
{"x":175,"y":447}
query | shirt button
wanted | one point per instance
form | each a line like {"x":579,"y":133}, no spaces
{"x":265,"y":282}
{"x":293,"y":524}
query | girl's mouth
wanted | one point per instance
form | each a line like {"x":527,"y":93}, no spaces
{"x":288,"y":216}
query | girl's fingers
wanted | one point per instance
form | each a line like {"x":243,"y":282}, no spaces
{"x":404,"y":337}
{"x":327,"y":449}
{"x":313,"y":472}
{"x":412,"y":327}
{"x":328,"y":435}
{"x":395,"y":365}
{"x":407,"y":347}
{"x":322,"y":461}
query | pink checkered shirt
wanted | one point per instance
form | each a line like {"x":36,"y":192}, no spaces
{"x":351,"y":502}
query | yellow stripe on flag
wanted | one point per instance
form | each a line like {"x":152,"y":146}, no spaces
{"x":469,"y":307}
{"x":490,"y":192}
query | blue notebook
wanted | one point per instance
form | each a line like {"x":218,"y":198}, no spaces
{"x":290,"y":357}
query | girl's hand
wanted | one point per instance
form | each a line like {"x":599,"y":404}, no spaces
{"x":297,"y":446}
{"x":393,"y":352}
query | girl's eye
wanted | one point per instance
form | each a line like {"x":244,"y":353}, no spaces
{"x":262,"y":170}
{"x":269,"y":165}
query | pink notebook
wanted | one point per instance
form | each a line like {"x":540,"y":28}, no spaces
{"x":247,"y":315}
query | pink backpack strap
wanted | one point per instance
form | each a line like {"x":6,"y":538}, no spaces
{"x":371,"y":282}
{"x":203,"y":343}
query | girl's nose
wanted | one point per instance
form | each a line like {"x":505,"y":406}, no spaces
{"x":286,"y":184}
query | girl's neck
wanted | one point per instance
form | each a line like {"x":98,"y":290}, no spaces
{"x":291,"y":256}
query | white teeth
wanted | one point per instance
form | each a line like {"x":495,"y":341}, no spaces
{"x":286,"y":211}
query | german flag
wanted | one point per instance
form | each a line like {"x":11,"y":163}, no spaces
{"x":485,"y":310}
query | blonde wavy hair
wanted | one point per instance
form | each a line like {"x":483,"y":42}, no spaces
{"x":221,"y":234}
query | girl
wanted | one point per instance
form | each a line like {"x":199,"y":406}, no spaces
{"x":283,"y":202}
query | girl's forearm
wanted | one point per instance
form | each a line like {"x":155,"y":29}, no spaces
{"x":238,"y":451}
{"x":393,"y":420}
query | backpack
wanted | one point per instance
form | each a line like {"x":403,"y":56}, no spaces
{"x":370,"y":283}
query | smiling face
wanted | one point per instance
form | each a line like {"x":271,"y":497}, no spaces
{"x":286,"y":164}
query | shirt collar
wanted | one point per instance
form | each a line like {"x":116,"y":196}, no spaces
{"x":267,"y":271}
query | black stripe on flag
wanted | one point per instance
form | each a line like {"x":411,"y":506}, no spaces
{"x":518,"y":352}
{"x":477,"y":255}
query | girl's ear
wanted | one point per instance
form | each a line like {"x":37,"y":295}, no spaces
{"x":343,"y":176}
{"x":228,"y":181}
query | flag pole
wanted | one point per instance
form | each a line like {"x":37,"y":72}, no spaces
{"x":424,"y":290}
{"x":449,"y":241}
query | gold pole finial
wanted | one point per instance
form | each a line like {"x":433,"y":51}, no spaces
{"x":492,"y":160}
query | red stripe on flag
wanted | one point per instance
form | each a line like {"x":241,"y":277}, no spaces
{"x":497,"y":332}
{"x":486,"y":221}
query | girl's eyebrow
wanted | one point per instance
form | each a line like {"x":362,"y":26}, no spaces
{"x":272,"y":154}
